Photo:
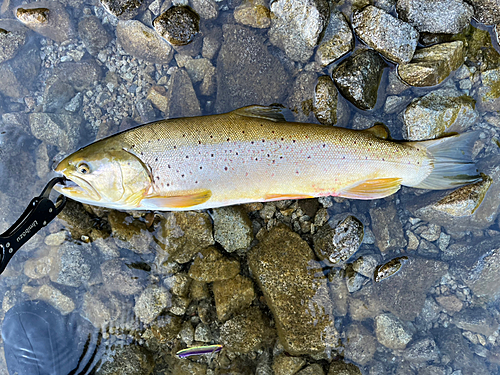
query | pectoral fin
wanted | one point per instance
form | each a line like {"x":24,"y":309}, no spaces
{"x":280,"y":197}
{"x":372,"y":189}
{"x":176,"y":201}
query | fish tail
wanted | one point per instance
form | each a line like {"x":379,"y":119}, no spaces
{"x":452,"y":162}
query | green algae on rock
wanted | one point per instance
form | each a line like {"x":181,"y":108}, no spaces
{"x":284,"y":267}
{"x":210,"y":265}
{"x":232,"y":296}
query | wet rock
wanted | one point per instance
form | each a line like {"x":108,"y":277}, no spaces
{"x":81,"y":75}
{"x":247,"y":72}
{"x":284,"y":267}
{"x":358,"y":78}
{"x":354,"y":280}
{"x":206,"y":9}
{"x":431,"y":65}
{"x":182,"y":235}
{"x":342,"y":368}
{"x":300,"y":101}
{"x":199,"y":70}
{"x":360,"y":345}
{"x":486,"y":11}
{"x":387,"y":227}
{"x":121,"y":276}
{"x":391,"y":332}
{"x":12,"y":38}
{"x":51,"y":295}
{"x":247,"y":332}
{"x":487,"y":94}
{"x":232,"y":228}
{"x":366,"y":264}
{"x":48,"y":18}
{"x":313,"y":369}
{"x":296,"y":26}
{"x":130,"y":233}
{"x":212,"y":41}
{"x":181,"y":97}
{"x":338,"y":292}
{"x":178,"y":25}
{"x":464,"y":208}
{"x":152,"y":301}
{"x":337,"y":40}
{"x":93,"y":35}
{"x":73,"y":264}
{"x":18,"y":74}
{"x":254,"y":13}
{"x":422,"y":350}
{"x":393,"y":38}
{"x":404,"y":293}
{"x":284,"y":364}
{"x":129,"y":360}
{"x":477,"y":320}
{"x":451,"y":304}
{"x":157,"y":95}
{"x":62,"y":130}
{"x":141,"y":41}
{"x":166,"y":329}
{"x":431,"y":16}
{"x":336,"y":245}
{"x":199,"y":290}
{"x":57,"y":93}
{"x":179,"y":305}
{"x":232,"y":296}
{"x":76,"y":219}
{"x":125,"y":9}
{"x":145,"y":111}
{"x":389,"y":269}
{"x":325,"y":101}
{"x":439,"y":112}
{"x":210,"y":265}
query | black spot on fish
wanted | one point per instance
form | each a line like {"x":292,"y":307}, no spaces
{"x":201,"y":167}
{"x":168,"y":184}
{"x":156,"y":159}
{"x":182,"y":175}
{"x":212,"y":155}
{"x":225,"y":168}
{"x":227,"y":139}
{"x":187,"y":156}
{"x":175,"y":147}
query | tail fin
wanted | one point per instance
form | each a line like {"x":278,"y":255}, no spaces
{"x":452,"y":160}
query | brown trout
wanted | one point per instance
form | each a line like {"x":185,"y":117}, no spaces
{"x":253,"y":155}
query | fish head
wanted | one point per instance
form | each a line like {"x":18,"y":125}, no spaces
{"x":104,"y":176}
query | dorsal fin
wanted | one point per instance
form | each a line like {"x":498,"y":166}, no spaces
{"x":272,"y":113}
{"x":379,"y":130}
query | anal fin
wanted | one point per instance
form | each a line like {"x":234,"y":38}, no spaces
{"x":189,"y":199}
{"x":372,"y":189}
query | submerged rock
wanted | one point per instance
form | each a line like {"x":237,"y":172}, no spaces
{"x":152,"y":301}
{"x":210,"y":265}
{"x":247,"y":72}
{"x":181,"y":97}
{"x":81,"y":75}
{"x":325,"y":101}
{"x":232,"y":228}
{"x":18,"y":74}
{"x":296,"y":26}
{"x":387,"y":227}
{"x":435,"y":16}
{"x":300,"y":101}
{"x":12,"y":38}
{"x":48,"y":18}
{"x":476,"y":320}
{"x":358,"y":78}
{"x":254,"y":13}
{"x":93,"y":35}
{"x":130,"y":234}
{"x":284,"y":267}
{"x":129,"y":360}
{"x":57,"y":93}
{"x":178,"y":25}
{"x":391,"y":332}
{"x":232,"y":296}
{"x":488,"y":93}
{"x":51,"y":295}
{"x":439,"y":112}
{"x":141,"y":41}
{"x":337,"y":40}
{"x":206,"y":9}
{"x":486,"y":11}
{"x":431,"y":65}
{"x":360,"y":345}
{"x":393,"y":38}
{"x":422,"y":350}
{"x":125,"y":9}
{"x":342,"y":368}
{"x":120,"y":276}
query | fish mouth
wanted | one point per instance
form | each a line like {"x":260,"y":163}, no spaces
{"x":77,"y":188}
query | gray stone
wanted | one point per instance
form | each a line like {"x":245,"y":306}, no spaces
{"x":199,"y":70}
{"x":284,"y":364}
{"x":81,"y":75}
{"x":206,"y":9}
{"x":151,"y":303}
{"x":104,"y":309}
{"x":247,"y":72}
{"x":48,"y":18}
{"x":73,"y":264}
{"x":342,"y":368}
{"x":62,"y":130}
{"x":57,"y":93}
{"x":18,"y":74}
{"x":246,"y":332}
{"x":284,"y":267}
{"x":210,"y":265}
{"x":393,"y":38}
{"x":301,"y":99}
{"x":366,"y":264}
{"x":179,"y":305}
{"x":129,"y":360}
{"x":432,"y":65}
{"x":145,"y":111}
{"x":337,"y":40}
{"x":451,"y":304}
{"x":486,"y":11}
{"x":337,"y":244}
{"x":404,"y":293}
{"x":232,"y":296}
{"x":143,"y":42}
{"x":51,"y":295}
{"x":422,"y":350}
{"x":130,"y":234}
{"x":358,"y":78}
{"x":439,"y":112}
{"x":254,"y":13}
{"x":125,"y":9}
{"x":232,"y":228}
{"x":387,"y":227}
{"x":325,"y":101}
{"x":182,"y":235}
{"x":120,"y":276}
{"x":36,"y":268}
{"x":181,"y":97}
{"x":93,"y":35}
{"x":338,"y":292}
{"x":435,"y":16}
{"x":296,"y":26}
{"x":487,"y":94}
{"x":391,"y":332}
{"x":476,"y":320}
{"x":212,"y":41}
{"x":354,"y":281}
{"x":178,"y":25}
{"x":360,"y":345}
{"x":12,"y":38}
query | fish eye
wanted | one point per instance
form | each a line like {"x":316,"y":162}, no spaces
{"x":83,"y":168}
